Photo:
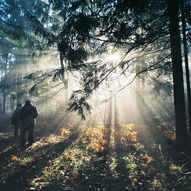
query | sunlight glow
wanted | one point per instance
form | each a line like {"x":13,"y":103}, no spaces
{"x":113,"y":57}
{"x":48,"y":62}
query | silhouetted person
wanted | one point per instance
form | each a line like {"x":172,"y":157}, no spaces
{"x":28,"y":114}
{"x":16,"y":119}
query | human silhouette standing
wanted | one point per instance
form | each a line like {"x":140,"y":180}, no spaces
{"x":28,"y":115}
{"x":16,"y":119}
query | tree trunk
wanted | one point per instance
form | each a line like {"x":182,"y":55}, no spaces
{"x":18,"y":62}
{"x":65,"y":81}
{"x":186,"y":64}
{"x":179,"y":102}
{"x":5,"y":85}
{"x":138,"y":84}
{"x":12,"y":102}
{"x":4,"y":102}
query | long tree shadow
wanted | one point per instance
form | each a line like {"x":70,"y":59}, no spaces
{"x":18,"y":177}
{"x":121,"y":152}
{"x":96,"y":176}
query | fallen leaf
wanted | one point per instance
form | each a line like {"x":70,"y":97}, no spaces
{"x":149,"y":159}
{"x":135,"y":180}
{"x":14,"y":157}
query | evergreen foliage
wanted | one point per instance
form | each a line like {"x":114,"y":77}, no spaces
{"x":82,"y":30}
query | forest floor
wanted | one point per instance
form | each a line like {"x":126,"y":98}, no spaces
{"x":103,"y":157}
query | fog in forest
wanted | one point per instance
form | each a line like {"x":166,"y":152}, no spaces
{"x":123,"y":97}
{"x":105,"y":93}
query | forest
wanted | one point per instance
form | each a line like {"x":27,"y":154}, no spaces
{"x":102,"y":91}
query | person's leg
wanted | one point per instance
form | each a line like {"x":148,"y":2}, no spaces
{"x":22,"y":136}
{"x":16,"y":130}
{"x":30,"y":135}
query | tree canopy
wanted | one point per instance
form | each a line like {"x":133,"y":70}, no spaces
{"x":85,"y":32}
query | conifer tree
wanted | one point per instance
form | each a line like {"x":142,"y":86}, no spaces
{"x":84,"y":29}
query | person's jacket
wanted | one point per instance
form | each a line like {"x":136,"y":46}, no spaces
{"x":16,"y":117}
{"x":28,"y":113}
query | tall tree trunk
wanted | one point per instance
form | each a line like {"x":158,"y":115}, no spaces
{"x":186,"y":63}
{"x":139,"y":98}
{"x":18,"y":62}
{"x":5,"y":85}
{"x":12,"y":102}
{"x":4,"y":102}
{"x":179,"y":102}
{"x":65,"y":81}
{"x":138,"y":84}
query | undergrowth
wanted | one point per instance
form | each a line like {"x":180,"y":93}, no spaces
{"x":86,"y":158}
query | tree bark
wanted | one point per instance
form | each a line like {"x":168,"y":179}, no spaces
{"x":186,"y":64}
{"x":179,"y":101}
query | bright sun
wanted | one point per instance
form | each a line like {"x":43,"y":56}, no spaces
{"x":113,"y":57}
